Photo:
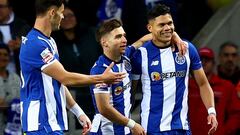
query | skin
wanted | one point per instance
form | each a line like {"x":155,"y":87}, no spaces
{"x":228,"y":60}
{"x":50,"y":21}
{"x":162,"y":29}
{"x":114,"y":45}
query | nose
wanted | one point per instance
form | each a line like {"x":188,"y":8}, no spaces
{"x":124,"y":39}
{"x":166,"y":27}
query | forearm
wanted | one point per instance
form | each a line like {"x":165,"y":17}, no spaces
{"x":113,"y":115}
{"x":69,"y":99}
{"x":207,"y":95}
{"x":80,"y":80}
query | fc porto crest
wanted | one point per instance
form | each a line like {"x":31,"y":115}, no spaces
{"x":180,"y":59}
{"x":127,"y":65}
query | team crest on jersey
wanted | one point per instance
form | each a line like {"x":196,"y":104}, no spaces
{"x":127,"y":65}
{"x":46,"y":56}
{"x":180,"y":59}
{"x":155,"y":76}
{"x":118,"y":90}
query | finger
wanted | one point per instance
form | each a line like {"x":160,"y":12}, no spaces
{"x":110,"y":66}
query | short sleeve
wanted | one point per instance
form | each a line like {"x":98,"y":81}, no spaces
{"x":194,"y":57}
{"x":130,"y":51}
{"x":99,"y":88}
{"x":38,"y":54}
{"x":136,"y":62}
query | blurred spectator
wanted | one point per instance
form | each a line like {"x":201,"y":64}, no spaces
{"x":228,"y":62}
{"x":223,"y":92}
{"x":9,"y":84}
{"x":13,"y":126}
{"x":12,"y":29}
{"x":78,"y":50}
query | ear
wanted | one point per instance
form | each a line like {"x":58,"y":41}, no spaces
{"x":52,"y":12}
{"x":103,"y":42}
{"x":149,"y":27}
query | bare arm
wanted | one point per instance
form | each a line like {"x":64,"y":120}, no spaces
{"x":141,"y":41}
{"x":207,"y":98}
{"x":108,"y":110}
{"x":113,"y":115}
{"x":57,"y":71}
{"x":82,"y":118}
{"x":182,"y":47}
{"x":205,"y":89}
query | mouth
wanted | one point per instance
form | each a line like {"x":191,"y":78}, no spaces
{"x":167,"y":34}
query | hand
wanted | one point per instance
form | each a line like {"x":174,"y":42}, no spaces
{"x":182,"y":46}
{"x":138,"y":130}
{"x":213,"y":121}
{"x":14,"y":44}
{"x":86,"y":123}
{"x":110,"y":77}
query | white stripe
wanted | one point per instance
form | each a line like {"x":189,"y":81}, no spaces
{"x":22,"y":78}
{"x":168,"y":65}
{"x":97,"y":90}
{"x":145,"y":104}
{"x":50,"y":102}
{"x":106,"y":126}
{"x":96,"y":123}
{"x":21,"y":109}
{"x":63,"y":102}
{"x":33,"y":115}
{"x":49,"y":43}
{"x":126,"y":94}
{"x":46,"y":65}
{"x":184,"y":111}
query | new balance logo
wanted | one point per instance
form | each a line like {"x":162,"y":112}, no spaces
{"x":155,"y":63}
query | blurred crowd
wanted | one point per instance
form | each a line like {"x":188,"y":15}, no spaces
{"x":79,"y":50}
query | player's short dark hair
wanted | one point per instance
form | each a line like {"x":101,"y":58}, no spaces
{"x":4,"y":46}
{"x":159,"y":9}
{"x":106,"y":27}
{"x":231,"y":44}
{"x":42,"y":6}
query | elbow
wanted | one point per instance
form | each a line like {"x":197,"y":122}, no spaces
{"x":103,"y":110}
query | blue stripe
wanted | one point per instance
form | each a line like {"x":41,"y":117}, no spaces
{"x":118,"y":104}
{"x":156,"y":100}
{"x":176,"y":122}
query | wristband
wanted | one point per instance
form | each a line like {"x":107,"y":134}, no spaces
{"x":131,"y":123}
{"x":76,"y":110}
{"x":211,"y":110}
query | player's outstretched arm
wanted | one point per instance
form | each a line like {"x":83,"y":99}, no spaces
{"x":142,"y":40}
{"x":78,"y":112}
{"x":57,"y":71}
{"x":207,"y":98}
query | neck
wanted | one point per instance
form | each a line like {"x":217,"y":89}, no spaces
{"x":161,"y":44}
{"x":43,"y":25}
{"x":113,"y":57}
{"x":3,"y":72}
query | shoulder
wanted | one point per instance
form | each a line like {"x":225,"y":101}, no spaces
{"x":99,"y":66}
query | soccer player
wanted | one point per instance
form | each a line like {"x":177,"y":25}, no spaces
{"x":43,"y":96}
{"x":164,"y":77}
{"x":112,"y":102}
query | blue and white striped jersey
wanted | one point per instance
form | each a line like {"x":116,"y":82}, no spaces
{"x":120,"y":95}
{"x":164,"y":76}
{"x":43,"y":100}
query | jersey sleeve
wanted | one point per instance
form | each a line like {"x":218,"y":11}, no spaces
{"x":136,"y":62}
{"x":194,"y":57}
{"x":39,"y":54}
{"x":130,"y":51}
{"x":102,"y":87}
